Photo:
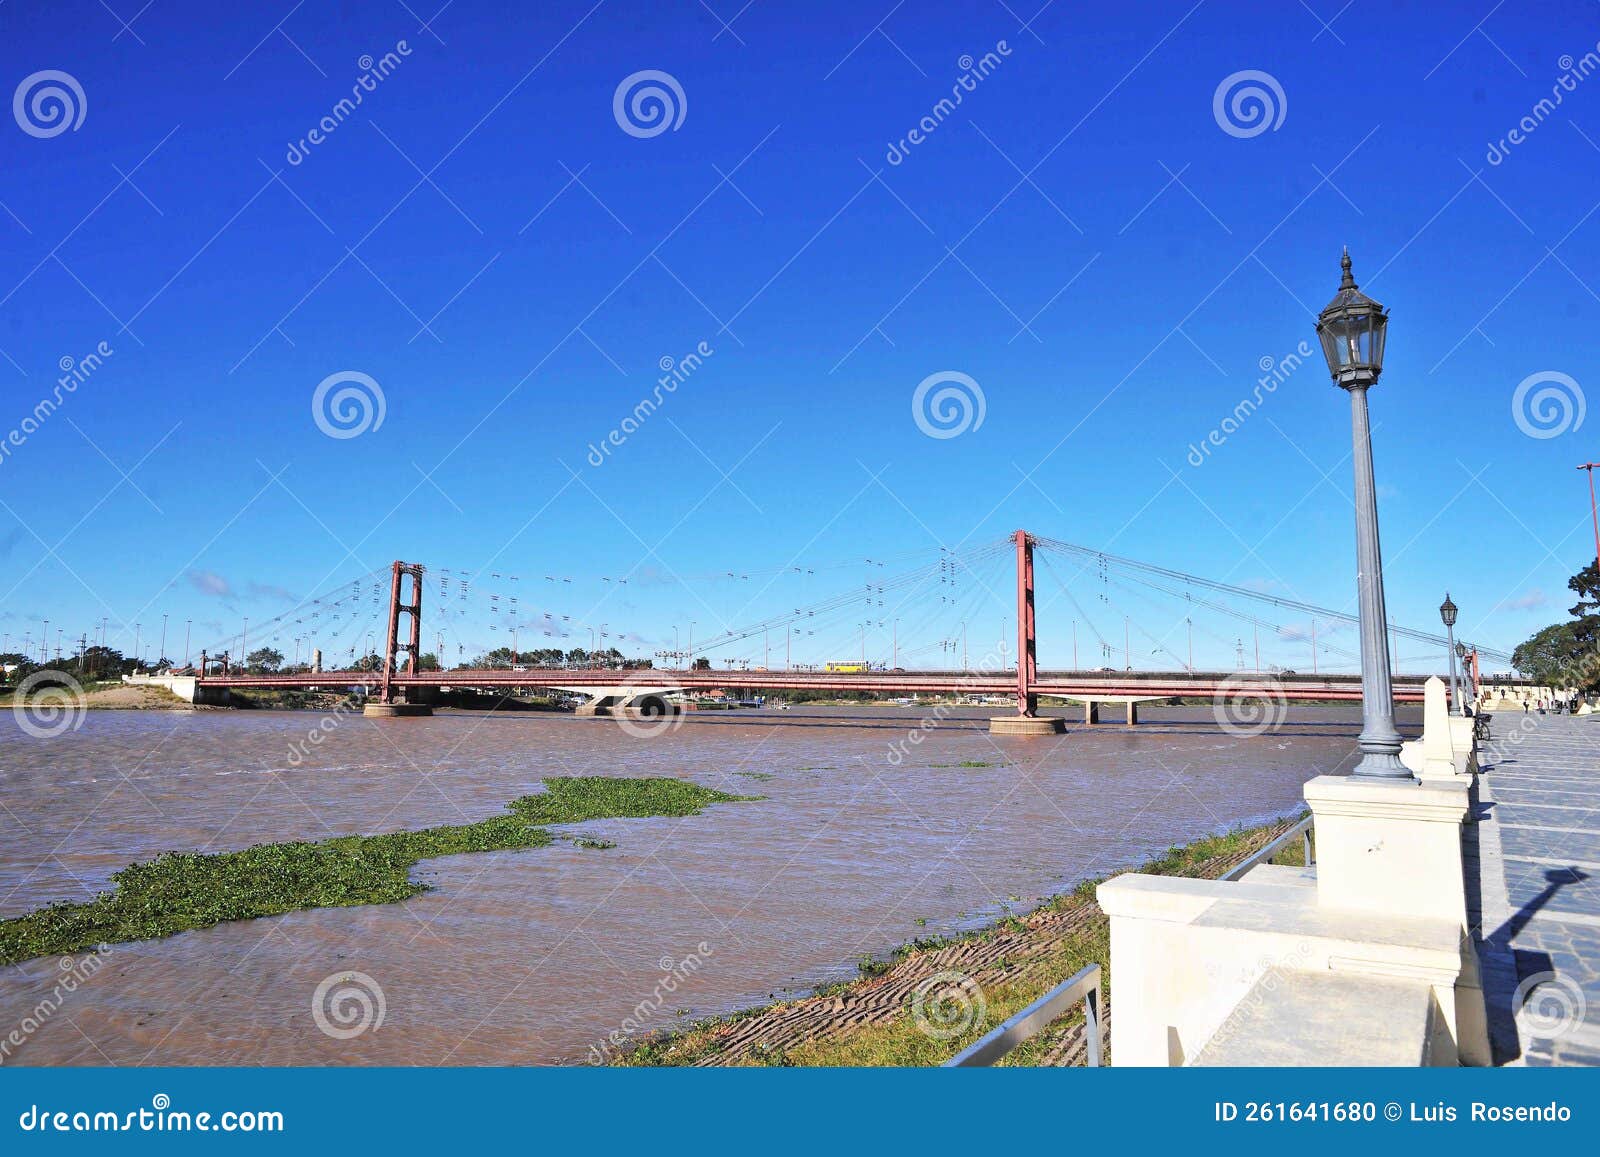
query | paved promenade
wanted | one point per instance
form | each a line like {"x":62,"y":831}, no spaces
{"x":1536,"y":851}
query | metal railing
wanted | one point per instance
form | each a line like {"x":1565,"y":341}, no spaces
{"x":1027,"y":1024}
{"x":1302,"y":829}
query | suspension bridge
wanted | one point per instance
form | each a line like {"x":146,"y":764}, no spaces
{"x":950,"y":589}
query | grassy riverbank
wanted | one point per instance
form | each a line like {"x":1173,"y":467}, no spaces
{"x":934,"y":997}
{"x":180,"y":891}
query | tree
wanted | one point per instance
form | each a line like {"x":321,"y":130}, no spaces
{"x":1552,"y":656}
{"x":263,"y":660}
{"x":14,"y":667}
{"x":1568,"y":654}
{"x":428,"y":661}
{"x":1586,"y":585}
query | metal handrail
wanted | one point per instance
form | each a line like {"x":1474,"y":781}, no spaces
{"x":1027,"y":1024}
{"x":1301,"y":829}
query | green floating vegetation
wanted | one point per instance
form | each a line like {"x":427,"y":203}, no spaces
{"x":180,"y":891}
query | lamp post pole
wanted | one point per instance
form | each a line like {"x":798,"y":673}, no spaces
{"x":1352,"y":330}
{"x":1379,"y":742}
{"x":1594,"y":515}
{"x":1447,"y":614}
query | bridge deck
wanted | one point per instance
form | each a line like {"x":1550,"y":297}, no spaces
{"x":1073,"y":685}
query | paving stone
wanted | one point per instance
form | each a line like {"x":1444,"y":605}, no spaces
{"x":1545,"y":818}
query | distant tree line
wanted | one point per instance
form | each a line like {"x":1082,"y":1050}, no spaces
{"x":95,"y":663}
{"x":556,"y":658}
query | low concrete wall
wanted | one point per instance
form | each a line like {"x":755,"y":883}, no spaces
{"x":185,"y":687}
{"x":1380,"y":918}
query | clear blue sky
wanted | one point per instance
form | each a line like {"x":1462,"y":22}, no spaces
{"x":513,"y":307}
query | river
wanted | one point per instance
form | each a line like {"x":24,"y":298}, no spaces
{"x":535,"y":956}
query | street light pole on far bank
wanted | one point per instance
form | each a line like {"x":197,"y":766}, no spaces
{"x":1594,"y":516}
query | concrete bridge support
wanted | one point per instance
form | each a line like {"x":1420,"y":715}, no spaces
{"x":375,"y":710}
{"x":185,"y":687}
{"x":1026,"y":725}
{"x":1129,"y":704}
{"x":643,"y":705}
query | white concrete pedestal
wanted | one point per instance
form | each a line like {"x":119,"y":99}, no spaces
{"x":1278,"y":969}
{"x":1390,"y":846}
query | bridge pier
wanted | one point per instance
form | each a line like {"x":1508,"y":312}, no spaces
{"x":644,"y":705}
{"x":1026,"y":725}
{"x":1091,"y":708}
{"x":397,"y":709}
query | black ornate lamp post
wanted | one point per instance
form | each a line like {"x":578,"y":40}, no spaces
{"x":1447,"y":613}
{"x":1352,"y":330}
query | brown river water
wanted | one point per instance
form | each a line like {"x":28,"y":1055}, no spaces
{"x":537,"y":956}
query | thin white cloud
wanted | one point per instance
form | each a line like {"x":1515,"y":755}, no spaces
{"x":1530,"y":601}
{"x":210,"y":583}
